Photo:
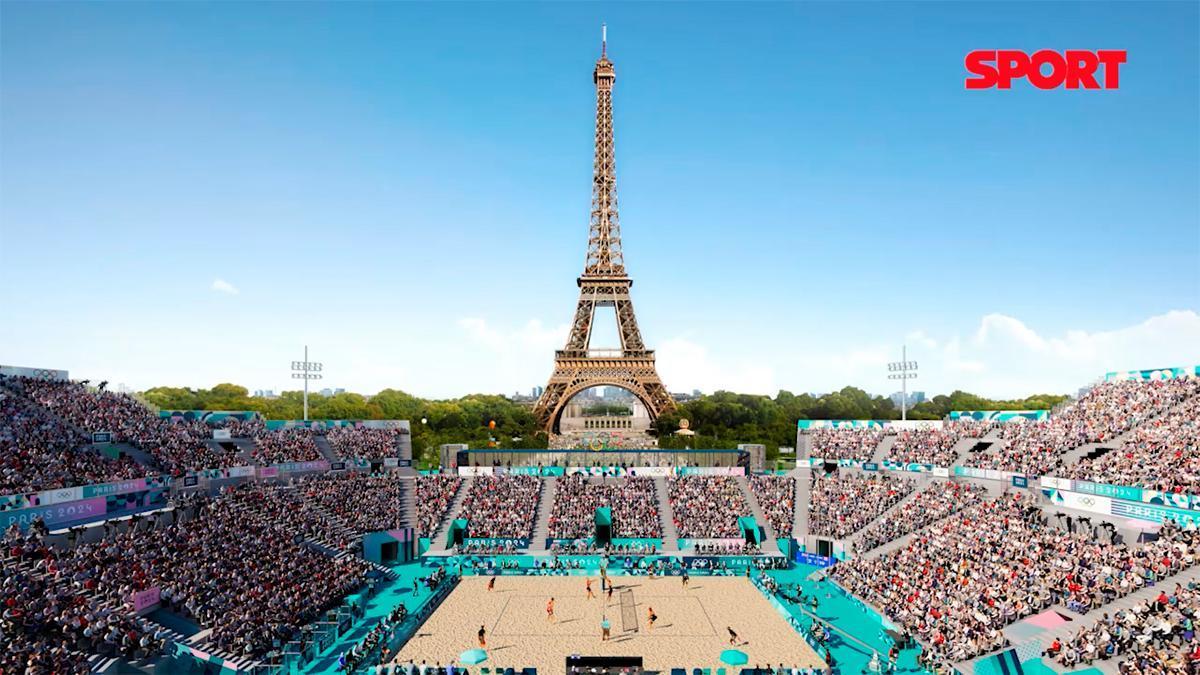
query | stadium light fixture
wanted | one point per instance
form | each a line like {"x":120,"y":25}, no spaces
{"x":903,"y":370}
{"x":306,"y":370}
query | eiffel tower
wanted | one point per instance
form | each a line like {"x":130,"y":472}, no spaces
{"x":604,"y":283}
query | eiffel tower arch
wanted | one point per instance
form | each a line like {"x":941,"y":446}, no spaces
{"x":604,"y":283}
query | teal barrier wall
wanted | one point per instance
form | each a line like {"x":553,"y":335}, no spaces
{"x":1153,"y":373}
{"x":840,"y":424}
{"x":999,"y":415}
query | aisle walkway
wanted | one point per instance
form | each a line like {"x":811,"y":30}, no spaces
{"x":848,"y":615}
{"x":389,"y":596}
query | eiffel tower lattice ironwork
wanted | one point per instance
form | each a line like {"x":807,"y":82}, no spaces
{"x":604,"y":283}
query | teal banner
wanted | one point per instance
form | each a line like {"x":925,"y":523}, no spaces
{"x":840,"y":424}
{"x":1154,"y":374}
{"x":1132,"y":494}
{"x":999,"y":415}
{"x":1156,"y":514}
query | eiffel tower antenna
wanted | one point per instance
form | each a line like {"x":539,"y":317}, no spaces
{"x":604,"y":283}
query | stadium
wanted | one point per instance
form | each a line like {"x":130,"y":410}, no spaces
{"x":146,"y":538}
{"x":984,"y":542}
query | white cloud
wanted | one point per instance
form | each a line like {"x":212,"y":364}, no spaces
{"x":222,"y":286}
{"x":919,"y":338}
{"x":504,"y":359}
{"x":684,"y":365}
{"x":1001,"y":357}
{"x":995,"y":355}
{"x":1004,"y":357}
{"x":531,"y":336}
{"x":1014,"y":359}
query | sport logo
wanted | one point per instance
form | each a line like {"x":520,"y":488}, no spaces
{"x":1045,"y":69}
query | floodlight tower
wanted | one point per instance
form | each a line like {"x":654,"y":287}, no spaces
{"x":903,"y":370}
{"x":306,"y":370}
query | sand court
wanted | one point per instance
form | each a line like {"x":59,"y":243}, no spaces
{"x":690,"y":630}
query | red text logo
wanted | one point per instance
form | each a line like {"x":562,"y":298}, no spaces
{"x":1045,"y":69}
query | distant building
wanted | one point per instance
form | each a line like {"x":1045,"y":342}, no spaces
{"x":914,"y":397}
{"x":265,"y":393}
{"x":536,"y":392}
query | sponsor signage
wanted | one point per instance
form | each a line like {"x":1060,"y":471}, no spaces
{"x":503,"y":542}
{"x":814,"y":559}
{"x":1156,"y":514}
{"x":712,"y":471}
{"x":301,"y":467}
{"x":56,"y":514}
{"x":144,"y":601}
{"x":34,"y":373}
{"x":102,"y":437}
{"x":1116,"y":491}
{"x":710,"y":562}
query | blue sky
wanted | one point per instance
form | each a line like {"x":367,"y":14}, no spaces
{"x":190,"y":192}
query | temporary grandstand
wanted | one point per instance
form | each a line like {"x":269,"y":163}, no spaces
{"x":140,"y":540}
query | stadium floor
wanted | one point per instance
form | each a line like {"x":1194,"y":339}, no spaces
{"x":849,"y":615}
{"x":389,"y":596}
{"x":839,"y":610}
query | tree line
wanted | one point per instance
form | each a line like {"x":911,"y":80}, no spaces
{"x":721,"y":420}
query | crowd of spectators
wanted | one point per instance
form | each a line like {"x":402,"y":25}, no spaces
{"x":939,"y":500}
{"x":935,"y":445}
{"x":502,"y":506}
{"x":244,"y":428}
{"x":370,"y":648}
{"x":776,"y":496}
{"x":1161,"y":454}
{"x":1107,"y":411}
{"x":39,"y":452}
{"x":177,"y":446}
{"x":364,"y":443}
{"x":707,"y":507}
{"x":958,"y":583}
{"x":1155,"y":635}
{"x":291,"y":444}
{"x":634,"y":504}
{"x":235,"y":566}
{"x":842,"y":504}
{"x":857,"y":443}
{"x":55,"y":614}
{"x":335,"y":509}
{"x":434,"y":495}
{"x":359,"y":502}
